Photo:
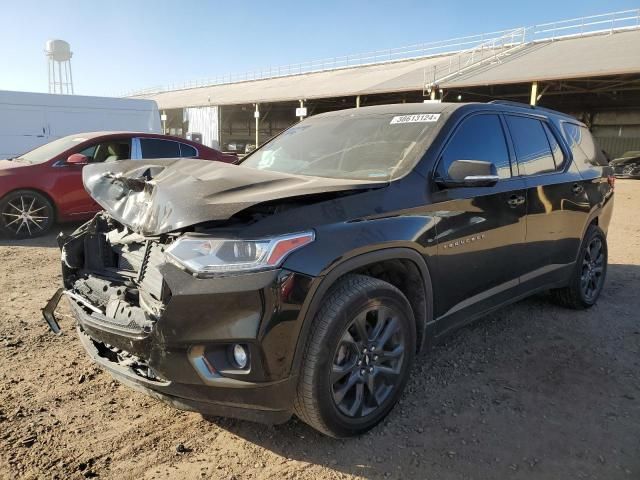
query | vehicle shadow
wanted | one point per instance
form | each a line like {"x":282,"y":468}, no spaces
{"x":497,"y":397}
{"x":45,"y":241}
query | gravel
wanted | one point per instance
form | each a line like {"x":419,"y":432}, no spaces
{"x":532,"y":391}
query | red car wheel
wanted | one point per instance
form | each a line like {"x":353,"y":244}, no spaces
{"x":25,"y":214}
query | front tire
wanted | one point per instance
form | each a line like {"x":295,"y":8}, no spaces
{"x":357,"y":358}
{"x":25,"y":214}
{"x":589,"y":273}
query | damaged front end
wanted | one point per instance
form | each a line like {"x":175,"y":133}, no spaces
{"x":111,"y":276}
{"x":180,"y":287}
{"x":164,"y":330}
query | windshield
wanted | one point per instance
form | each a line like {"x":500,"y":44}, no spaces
{"x":372,"y":147}
{"x":49,"y":150}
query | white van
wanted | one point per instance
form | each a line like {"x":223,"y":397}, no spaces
{"x":28,"y":120}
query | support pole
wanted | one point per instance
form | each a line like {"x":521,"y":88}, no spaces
{"x":256,"y":115}
{"x":219,"y":132}
{"x":358,"y":101}
{"x":60,"y":77}
{"x":301,"y":106}
{"x":433,"y":93}
{"x":71,"y":79}
{"x":534,"y":93}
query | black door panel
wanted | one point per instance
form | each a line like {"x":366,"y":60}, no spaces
{"x":480,"y":236}
{"x":556,"y":217}
{"x":557,"y":204}
{"x":480,"y":231}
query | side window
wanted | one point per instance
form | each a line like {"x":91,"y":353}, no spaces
{"x":156,"y":148}
{"x":556,"y":151}
{"x":480,"y":137}
{"x":110,"y":151}
{"x":89,"y":152}
{"x":583,"y":147}
{"x":187,"y":151}
{"x":531,"y":144}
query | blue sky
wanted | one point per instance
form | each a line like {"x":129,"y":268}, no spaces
{"x":123,"y":45}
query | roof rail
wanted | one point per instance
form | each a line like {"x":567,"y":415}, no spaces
{"x":511,"y":103}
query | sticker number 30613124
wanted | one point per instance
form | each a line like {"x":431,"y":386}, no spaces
{"x":417,"y":118}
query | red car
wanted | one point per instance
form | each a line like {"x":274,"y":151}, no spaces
{"x":45,"y":184}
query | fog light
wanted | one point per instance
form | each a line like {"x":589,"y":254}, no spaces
{"x":240,"y":355}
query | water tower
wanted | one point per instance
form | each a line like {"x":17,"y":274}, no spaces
{"x":59,"y":58}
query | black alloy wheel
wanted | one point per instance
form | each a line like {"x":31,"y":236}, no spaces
{"x":588,"y":277}
{"x":357,"y":356}
{"x":593,"y":264}
{"x":25,"y":214}
{"x":368,"y":361}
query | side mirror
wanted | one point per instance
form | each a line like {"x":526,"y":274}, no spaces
{"x":470,"y":173}
{"x":77,"y":159}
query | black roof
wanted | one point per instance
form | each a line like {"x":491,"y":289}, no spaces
{"x":397,"y":108}
{"x":446,"y":108}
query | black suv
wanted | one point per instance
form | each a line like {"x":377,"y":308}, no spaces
{"x":306,"y":279}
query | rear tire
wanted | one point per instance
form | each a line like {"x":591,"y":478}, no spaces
{"x":357,"y":358}
{"x":588,"y":275}
{"x":25,"y":214}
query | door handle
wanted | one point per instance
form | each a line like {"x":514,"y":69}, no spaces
{"x":515,"y":200}
{"x":577,"y":189}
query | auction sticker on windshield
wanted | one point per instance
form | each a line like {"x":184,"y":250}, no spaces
{"x":418,"y":118}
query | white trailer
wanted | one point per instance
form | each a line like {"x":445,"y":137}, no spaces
{"x":28,"y":120}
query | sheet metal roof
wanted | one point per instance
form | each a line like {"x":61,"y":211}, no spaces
{"x":587,"y":56}
{"x":390,"y":77}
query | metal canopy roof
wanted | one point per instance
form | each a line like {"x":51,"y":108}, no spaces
{"x":391,"y":77}
{"x":589,"y":56}
{"x":564,"y":58}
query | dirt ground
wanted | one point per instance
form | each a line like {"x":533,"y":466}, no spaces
{"x":534,"y":391}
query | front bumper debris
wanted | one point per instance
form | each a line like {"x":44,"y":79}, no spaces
{"x":158,"y":329}
{"x":48,"y":312}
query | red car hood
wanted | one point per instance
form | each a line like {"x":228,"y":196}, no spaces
{"x":7,"y":166}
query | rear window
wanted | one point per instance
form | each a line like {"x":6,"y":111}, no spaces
{"x":187,"y":151}
{"x":156,"y":148}
{"x":586,"y":154}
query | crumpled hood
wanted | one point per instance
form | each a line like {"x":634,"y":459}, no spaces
{"x":158,"y":196}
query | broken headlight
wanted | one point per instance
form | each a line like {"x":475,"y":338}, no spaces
{"x":219,"y":256}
